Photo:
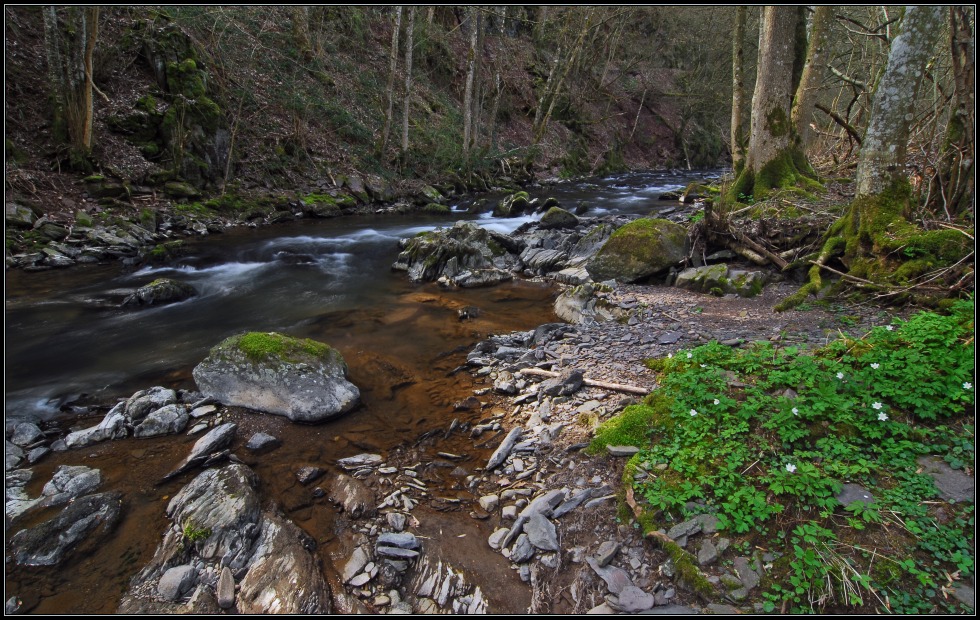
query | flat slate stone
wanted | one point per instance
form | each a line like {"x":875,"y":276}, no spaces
{"x":306,"y":475}
{"x":397,"y":552}
{"x":541,"y":532}
{"x":402,"y":540}
{"x":631,"y":600}
{"x":616,"y":578}
{"x":851,"y":493}
{"x":622,"y":450}
{"x":607,"y":551}
{"x":953,"y":484}
{"x":670,"y":610}
{"x":359,"y":461}
{"x":263,"y":442}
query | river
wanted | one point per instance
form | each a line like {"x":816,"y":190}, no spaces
{"x":68,"y":342}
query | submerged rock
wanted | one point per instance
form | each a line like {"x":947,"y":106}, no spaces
{"x":304,"y":380}
{"x":160,"y":291}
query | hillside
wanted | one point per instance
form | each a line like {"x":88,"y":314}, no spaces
{"x":272,"y":100}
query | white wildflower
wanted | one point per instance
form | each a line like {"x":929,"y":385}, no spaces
{"x":876,"y":406}
{"x":791,"y":468}
{"x":796,"y":411}
{"x":967,"y":386}
{"x":875,"y":365}
{"x":882,"y":416}
{"x":717,"y":402}
{"x":694,"y":412}
{"x":840,"y":375}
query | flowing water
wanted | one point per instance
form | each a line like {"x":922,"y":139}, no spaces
{"x":69,"y":341}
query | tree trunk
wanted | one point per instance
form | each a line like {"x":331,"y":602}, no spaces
{"x":952,"y":187}
{"x":409,"y":44}
{"x":883,"y":152}
{"x":813,"y":71}
{"x":774,"y":158}
{"x":881,"y":249}
{"x":393,"y":62}
{"x":497,"y":82}
{"x":738,"y":88}
{"x":299,"y":15}
{"x":470,"y":75}
{"x":69,"y":50}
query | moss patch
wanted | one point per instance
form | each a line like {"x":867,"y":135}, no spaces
{"x":261,"y":346}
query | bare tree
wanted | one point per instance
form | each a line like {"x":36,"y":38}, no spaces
{"x":738,"y":88}
{"x":470,"y":75}
{"x":874,"y":235}
{"x":393,"y":56}
{"x":70,"y":47}
{"x":409,"y":44}
{"x":813,"y":71}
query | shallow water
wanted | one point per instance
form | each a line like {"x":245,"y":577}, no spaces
{"x":330,"y":280}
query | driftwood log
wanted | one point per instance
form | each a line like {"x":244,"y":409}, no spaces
{"x":632,"y":389}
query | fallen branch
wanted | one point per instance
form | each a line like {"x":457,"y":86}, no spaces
{"x":632,"y":389}
{"x":776,"y":260}
{"x":851,"y":131}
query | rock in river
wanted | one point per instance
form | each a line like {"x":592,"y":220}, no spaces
{"x":90,"y":517}
{"x":304,"y":380}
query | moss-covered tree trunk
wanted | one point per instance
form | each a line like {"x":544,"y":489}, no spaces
{"x":774,"y":158}
{"x":876,"y":243}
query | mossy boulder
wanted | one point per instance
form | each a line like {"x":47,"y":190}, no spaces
{"x":431,"y":194}
{"x":18,"y":216}
{"x":511,"y":206}
{"x":556,"y":217}
{"x":303,"y":380}
{"x":719,"y":280}
{"x":159,"y":292}
{"x":434,"y":208}
{"x":180,"y":189}
{"x":640,"y":249}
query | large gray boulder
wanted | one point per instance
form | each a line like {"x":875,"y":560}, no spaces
{"x":640,"y":249}
{"x":466,"y":254}
{"x":304,"y":380}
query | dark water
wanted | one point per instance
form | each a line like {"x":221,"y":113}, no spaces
{"x":330,"y":280}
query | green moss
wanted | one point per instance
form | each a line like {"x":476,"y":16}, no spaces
{"x":687,"y":570}
{"x":788,"y":169}
{"x":435,"y":209}
{"x":777,"y":123}
{"x":259,"y":346}
{"x":631,"y":427}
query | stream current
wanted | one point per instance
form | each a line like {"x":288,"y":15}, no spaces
{"x":68,"y":340}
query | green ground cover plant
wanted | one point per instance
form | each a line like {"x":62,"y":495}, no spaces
{"x":766,"y":437}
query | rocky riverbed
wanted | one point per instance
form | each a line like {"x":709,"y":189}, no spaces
{"x":500,"y":511}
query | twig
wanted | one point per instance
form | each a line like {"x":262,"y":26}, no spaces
{"x":844,"y":275}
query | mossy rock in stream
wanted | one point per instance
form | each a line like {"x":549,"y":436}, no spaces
{"x":302,"y":379}
{"x":638,"y":250}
